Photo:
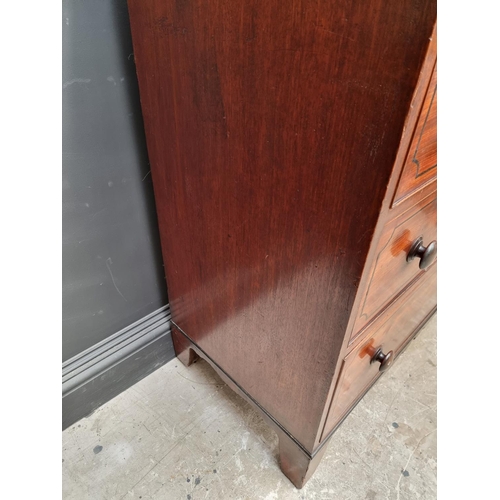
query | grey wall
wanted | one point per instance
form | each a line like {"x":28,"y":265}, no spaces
{"x":112,"y":268}
{"x":116,"y":319}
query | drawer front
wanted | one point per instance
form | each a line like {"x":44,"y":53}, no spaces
{"x":390,"y":333}
{"x":391,"y":272}
{"x":420,"y":166}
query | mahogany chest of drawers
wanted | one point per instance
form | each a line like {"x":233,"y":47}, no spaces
{"x":293,"y":155}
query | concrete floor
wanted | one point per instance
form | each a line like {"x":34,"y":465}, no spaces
{"x":182,"y":434}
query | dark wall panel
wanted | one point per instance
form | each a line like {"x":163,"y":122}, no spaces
{"x":112,"y":267}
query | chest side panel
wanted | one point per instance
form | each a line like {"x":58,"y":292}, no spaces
{"x":272,"y":129}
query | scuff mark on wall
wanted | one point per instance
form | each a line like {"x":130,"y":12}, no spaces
{"x":75,"y":80}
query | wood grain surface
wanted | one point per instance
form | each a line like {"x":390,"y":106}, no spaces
{"x":390,"y":271}
{"x":272,"y":129}
{"x":391,"y":332}
{"x":420,"y":167}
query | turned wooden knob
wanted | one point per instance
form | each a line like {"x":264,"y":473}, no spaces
{"x":385,"y":360}
{"x":425,"y":254}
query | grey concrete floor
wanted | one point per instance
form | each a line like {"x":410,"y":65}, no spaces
{"x":181,"y":433}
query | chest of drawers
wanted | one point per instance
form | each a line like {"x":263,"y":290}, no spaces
{"x":293,"y":156}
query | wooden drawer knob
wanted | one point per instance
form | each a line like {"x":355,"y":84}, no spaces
{"x":425,"y":254}
{"x":385,"y":360}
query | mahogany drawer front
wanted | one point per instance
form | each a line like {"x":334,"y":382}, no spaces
{"x":391,"y":272}
{"x":390,"y":333}
{"x":420,"y":167}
